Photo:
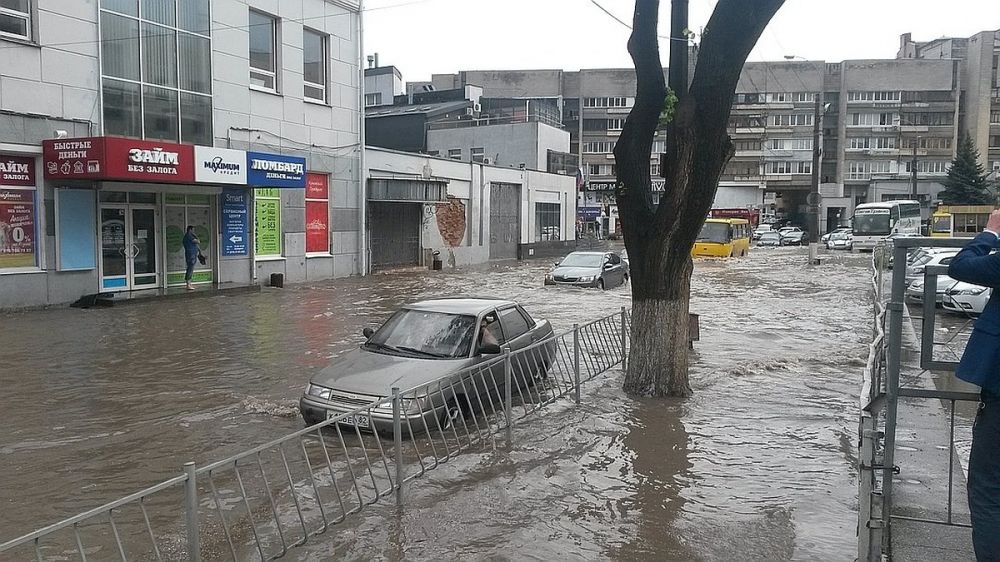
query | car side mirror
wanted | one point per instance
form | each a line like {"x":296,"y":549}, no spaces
{"x":368,"y":332}
{"x":556,"y":264}
{"x":489,"y":349}
{"x":608,"y":265}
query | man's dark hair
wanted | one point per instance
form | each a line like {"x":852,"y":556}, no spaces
{"x":190,"y":227}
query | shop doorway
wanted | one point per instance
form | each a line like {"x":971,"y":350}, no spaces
{"x":129,"y":246}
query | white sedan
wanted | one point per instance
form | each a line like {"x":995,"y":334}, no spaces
{"x":966,"y":298}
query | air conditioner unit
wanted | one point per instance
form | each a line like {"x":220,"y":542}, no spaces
{"x":522,"y":166}
{"x":487,"y":161}
{"x":476,"y":107}
{"x":469,"y":111}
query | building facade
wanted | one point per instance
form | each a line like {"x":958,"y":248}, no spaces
{"x":126,"y":121}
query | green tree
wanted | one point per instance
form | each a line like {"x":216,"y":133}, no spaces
{"x":966,"y":183}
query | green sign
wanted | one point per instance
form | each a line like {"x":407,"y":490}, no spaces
{"x":267,"y":223}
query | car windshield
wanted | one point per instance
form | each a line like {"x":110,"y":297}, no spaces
{"x":717,"y":232}
{"x":839,"y":235}
{"x":872,"y":224}
{"x":430,"y":334}
{"x":770,"y":236}
{"x":582,"y":260}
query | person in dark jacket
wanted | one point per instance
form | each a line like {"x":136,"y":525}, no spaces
{"x":192,"y":247}
{"x":980,"y":365}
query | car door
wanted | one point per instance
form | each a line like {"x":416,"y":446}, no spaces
{"x":517,"y":332}
{"x":617,"y":268}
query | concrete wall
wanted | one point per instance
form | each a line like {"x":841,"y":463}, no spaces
{"x":505,"y":145}
{"x":781,"y":76}
{"x":385,"y":81}
{"x":737,"y":196}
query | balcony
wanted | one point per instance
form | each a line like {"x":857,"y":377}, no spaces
{"x":748,"y":154}
{"x":748,"y":130}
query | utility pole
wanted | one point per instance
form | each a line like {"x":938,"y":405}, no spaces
{"x":677,"y":74}
{"x":814,"y":198}
{"x":913,"y":169}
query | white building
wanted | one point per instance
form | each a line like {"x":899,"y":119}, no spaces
{"x":238,"y":117}
{"x":468,"y":212}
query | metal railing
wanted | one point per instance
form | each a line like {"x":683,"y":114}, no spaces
{"x":269,"y":499}
{"x":892,"y":376}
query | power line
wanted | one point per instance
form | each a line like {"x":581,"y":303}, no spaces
{"x":619,"y":20}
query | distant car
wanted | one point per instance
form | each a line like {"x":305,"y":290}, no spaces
{"x":589,"y":269}
{"x":966,"y":298}
{"x":915,"y":292}
{"x":761,"y":229}
{"x":915,"y":271}
{"x":422,"y":343}
{"x":794,"y":236}
{"x":771,"y":238}
{"x":827,"y":236}
{"x":840,"y":241}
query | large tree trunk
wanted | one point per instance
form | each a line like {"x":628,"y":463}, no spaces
{"x":659,"y":238}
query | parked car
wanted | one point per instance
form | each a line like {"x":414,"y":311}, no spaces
{"x":966,"y":298}
{"x":421,"y":343}
{"x":624,"y":256}
{"x":915,"y":271}
{"x":589,"y":269}
{"x":792,"y":236}
{"x":915,"y":291}
{"x":771,"y":238}
{"x":840,"y":241}
{"x":841,"y":229}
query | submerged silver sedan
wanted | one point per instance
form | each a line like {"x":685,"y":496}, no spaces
{"x":429,"y":350}
{"x":589,"y":269}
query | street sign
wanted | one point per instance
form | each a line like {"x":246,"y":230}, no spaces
{"x":813,"y":199}
{"x":234,"y":222}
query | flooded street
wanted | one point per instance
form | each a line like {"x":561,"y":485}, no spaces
{"x":757,"y":465}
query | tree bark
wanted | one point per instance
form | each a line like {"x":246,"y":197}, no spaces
{"x":659,"y":238}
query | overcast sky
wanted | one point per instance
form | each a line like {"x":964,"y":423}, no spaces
{"x":421,"y":37}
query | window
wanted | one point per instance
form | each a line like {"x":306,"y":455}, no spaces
{"x":548,"y":225}
{"x":928,"y":166}
{"x":156,"y":66}
{"x":478,"y":154}
{"x":17,"y":209}
{"x":658,"y":147}
{"x":779,"y":97}
{"x":654,"y":169}
{"x":615,"y":124}
{"x":514,"y":325}
{"x":805,"y":96}
{"x":928,"y":142}
{"x":971,"y":223}
{"x":263,"y":51}
{"x":995,"y":117}
{"x":994,"y":141}
{"x":267,"y":222}
{"x":740,"y":99}
{"x":784,"y":168}
{"x":933,"y":119}
{"x":791,"y":119}
{"x":874,"y":119}
{"x":314,"y":65}
{"x":373,"y":99}
{"x":873,"y":96}
{"x":604,"y":147}
{"x":317,"y":213}
{"x":863,"y":170}
{"x":607,"y":102}
{"x":878,"y":143}
{"x":602,"y":169}
{"x":746,"y":144}
{"x":791,"y":144}
{"x":455,"y":153}
{"x":15,"y":19}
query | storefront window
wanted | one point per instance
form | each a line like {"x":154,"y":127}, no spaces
{"x":17,"y":229}
{"x":267,"y":222}
{"x":547,"y":222}
{"x":181,"y":211}
{"x":317,"y":213}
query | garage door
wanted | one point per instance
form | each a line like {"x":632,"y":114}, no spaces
{"x":395,"y":234}
{"x":505,"y":220}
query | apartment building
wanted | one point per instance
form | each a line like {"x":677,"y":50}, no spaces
{"x":124,"y":122}
{"x":979,"y":82}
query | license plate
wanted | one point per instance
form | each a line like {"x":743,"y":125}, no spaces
{"x":358,"y":420}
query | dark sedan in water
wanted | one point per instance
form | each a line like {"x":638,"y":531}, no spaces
{"x":421,"y":344}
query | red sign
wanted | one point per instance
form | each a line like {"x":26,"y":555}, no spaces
{"x":317,"y":227}
{"x":17,"y":228}
{"x":118,"y":159}
{"x":317,"y":186}
{"x":17,"y":170}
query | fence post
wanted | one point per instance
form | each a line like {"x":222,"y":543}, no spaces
{"x":397,"y":436}
{"x":507,"y":409}
{"x":191,"y":512}
{"x":624,"y":342}
{"x":576,"y":363}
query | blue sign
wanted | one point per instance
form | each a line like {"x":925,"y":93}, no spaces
{"x":588,"y":213}
{"x":234,"y":222}
{"x":275,"y":170}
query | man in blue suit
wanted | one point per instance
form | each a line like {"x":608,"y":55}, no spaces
{"x":980,"y":365}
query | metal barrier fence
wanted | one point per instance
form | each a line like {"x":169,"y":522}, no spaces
{"x":266,"y":500}
{"x":890,"y":356}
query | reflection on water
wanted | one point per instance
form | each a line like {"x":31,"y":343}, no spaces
{"x":756,"y":465}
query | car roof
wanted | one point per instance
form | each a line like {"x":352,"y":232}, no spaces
{"x":589,"y":253}
{"x":460,"y":305}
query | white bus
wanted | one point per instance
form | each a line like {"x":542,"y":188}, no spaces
{"x":873,"y":222}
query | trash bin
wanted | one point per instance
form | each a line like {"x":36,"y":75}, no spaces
{"x":436,"y":261}
{"x":278,"y":280}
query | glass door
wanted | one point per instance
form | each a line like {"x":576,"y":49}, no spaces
{"x":142,"y":248}
{"x":114,"y":258}
{"x":129,"y":256}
